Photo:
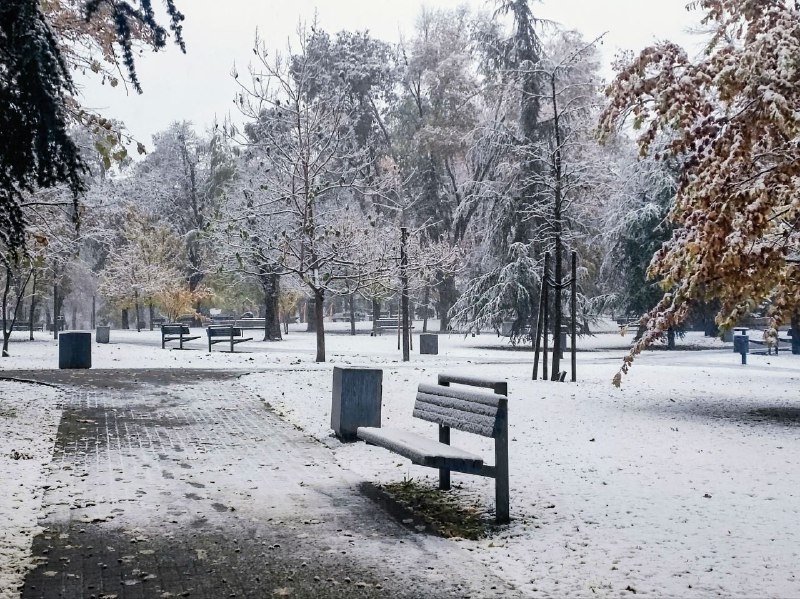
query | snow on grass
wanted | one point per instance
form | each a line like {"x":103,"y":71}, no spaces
{"x":682,"y":483}
{"x":29,"y":419}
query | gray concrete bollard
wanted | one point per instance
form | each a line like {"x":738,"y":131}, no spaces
{"x":357,"y":397}
{"x":429,"y":344}
{"x":102,"y":334}
{"x":74,"y":350}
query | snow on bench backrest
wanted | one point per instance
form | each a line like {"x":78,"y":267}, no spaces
{"x":470,"y":411}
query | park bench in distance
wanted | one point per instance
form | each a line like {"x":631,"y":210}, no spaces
{"x":222,"y":334}
{"x":466,"y":410}
{"x":26,"y":326}
{"x":241,"y":323}
{"x":176,"y":332}
{"x":388,"y":323}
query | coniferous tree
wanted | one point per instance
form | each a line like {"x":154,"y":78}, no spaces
{"x":37,"y":96}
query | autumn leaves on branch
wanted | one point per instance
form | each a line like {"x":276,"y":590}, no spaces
{"x":732,"y":120}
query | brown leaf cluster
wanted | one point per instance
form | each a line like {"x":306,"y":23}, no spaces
{"x":733,"y":122}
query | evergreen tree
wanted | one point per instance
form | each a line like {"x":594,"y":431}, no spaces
{"x":37,"y":96}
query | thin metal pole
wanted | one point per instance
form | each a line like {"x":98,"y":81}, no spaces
{"x":574,"y":310}
{"x":545,"y":325}
{"x":537,"y":344}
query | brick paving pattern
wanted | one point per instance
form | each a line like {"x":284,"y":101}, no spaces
{"x":171,"y":486}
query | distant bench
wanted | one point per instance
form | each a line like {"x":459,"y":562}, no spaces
{"x":176,"y":332}
{"x":222,"y":334}
{"x":387,"y":323}
{"x":26,"y":326}
{"x":624,"y":323}
{"x":241,"y":323}
{"x":466,"y":410}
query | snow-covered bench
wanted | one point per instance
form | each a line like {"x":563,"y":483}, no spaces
{"x":222,"y":334}
{"x":176,"y":332}
{"x":476,"y":412}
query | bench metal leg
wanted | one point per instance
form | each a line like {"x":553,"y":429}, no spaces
{"x":501,"y":491}
{"x":444,"y":473}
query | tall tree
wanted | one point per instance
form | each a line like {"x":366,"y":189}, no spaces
{"x":183,"y":181}
{"x":732,"y":117}
{"x":311,"y":163}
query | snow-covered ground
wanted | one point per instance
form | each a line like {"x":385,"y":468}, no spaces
{"x":29,"y":416}
{"x":682,"y":483}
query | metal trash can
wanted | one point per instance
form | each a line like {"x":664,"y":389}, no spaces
{"x":102,"y":334}
{"x":357,"y":397}
{"x":429,"y":344}
{"x":74,"y":350}
{"x":741,"y":344}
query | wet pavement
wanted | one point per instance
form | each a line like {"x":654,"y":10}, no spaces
{"x":169,"y":483}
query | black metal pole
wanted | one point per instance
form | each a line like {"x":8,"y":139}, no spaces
{"x":574,"y":310}
{"x":537,"y":343}
{"x":545,"y":324}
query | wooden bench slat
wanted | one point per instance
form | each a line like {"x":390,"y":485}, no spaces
{"x":479,"y":397}
{"x":463,"y":421}
{"x":420,"y":450}
{"x":457,"y":404}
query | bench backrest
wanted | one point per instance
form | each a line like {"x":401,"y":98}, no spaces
{"x":477,"y":412}
{"x":223,"y":331}
{"x":174,"y":329}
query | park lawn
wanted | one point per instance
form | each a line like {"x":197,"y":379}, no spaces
{"x":682,"y":483}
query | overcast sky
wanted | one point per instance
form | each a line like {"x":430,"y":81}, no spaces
{"x":197,"y":86}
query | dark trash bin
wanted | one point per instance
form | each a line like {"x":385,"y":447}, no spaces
{"x":102,"y":334}
{"x":74,"y":350}
{"x":357,"y":396}
{"x":429,"y":344}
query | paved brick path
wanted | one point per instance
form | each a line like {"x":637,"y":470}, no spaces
{"x":163,"y":487}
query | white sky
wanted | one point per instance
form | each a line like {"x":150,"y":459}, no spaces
{"x":197,"y":86}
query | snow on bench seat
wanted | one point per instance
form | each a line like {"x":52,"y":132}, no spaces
{"x":421,"y":450}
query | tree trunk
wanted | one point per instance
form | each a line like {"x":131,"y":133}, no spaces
{"x":32,"y":313}
{"x":151,"y":313}
{"x":74,"y":318}
{"x":796,"y":332}
{"x":311,"y":318}
{"x":6,"y":328}
{"x":319,"y":316}
{"x":426,"y":298}
{"x":125,"y":324}
{"x":404,"y":292}
{"x":376,"y":314}
{"x":56,"y":310}
{"x":557,"y":316}
{"x":138,"y":311}
{"x":670,"y":338}
{"x":447,"y":297}
{"x":271,"y":285}
{"x":351,"y":301}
